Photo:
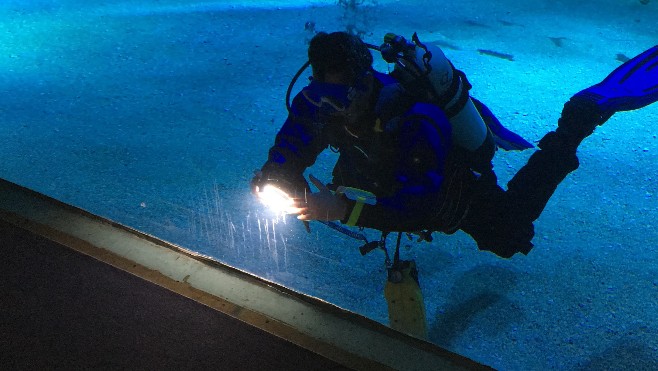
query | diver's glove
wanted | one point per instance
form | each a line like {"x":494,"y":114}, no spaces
{"x":631,"y":86}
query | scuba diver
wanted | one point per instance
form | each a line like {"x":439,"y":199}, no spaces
{"x":415,"y":149}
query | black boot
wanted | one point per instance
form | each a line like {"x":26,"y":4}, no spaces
{"x":579,"y":118}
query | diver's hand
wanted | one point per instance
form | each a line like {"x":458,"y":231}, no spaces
{"x":323,"y":205}
{"x":631,"y":86}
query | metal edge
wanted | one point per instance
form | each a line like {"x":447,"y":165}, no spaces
{"x":345,"y":337}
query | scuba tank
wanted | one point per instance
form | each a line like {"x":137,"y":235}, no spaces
{"x":426,"y":73}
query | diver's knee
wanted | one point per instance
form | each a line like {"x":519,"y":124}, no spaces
{"x":507,"y":243}
{"x":504,"y":236}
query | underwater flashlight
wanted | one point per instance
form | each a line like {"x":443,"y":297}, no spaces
{"x":277,"y":200}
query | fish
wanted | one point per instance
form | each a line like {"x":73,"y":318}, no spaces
{"x":444,"y":45}
{"x":558,"y":41}
{"x":622,"y":58}
{"x":473,"y":23}
{"x":496,"y":54}
{"x":509,"y":24}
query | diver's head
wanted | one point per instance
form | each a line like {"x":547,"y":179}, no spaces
{"x":339,"y":56}
{"x":342,"y":76}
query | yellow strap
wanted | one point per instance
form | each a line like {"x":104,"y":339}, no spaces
{"x":356,"y":212}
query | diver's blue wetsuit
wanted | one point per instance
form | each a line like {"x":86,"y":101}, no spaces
{"x":402,"y":153}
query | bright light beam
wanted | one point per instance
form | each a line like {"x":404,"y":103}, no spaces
{"x":277,"y":200}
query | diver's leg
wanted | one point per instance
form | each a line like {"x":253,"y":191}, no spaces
{"x":533,"y":185}
{"x":631,"y":86}
{"x":500,"y":221}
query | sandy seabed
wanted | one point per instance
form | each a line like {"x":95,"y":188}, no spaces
{"x":156,"y":113}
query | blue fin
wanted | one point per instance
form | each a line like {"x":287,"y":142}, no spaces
{"x":505,"y":139}
{"x":631,"y":86}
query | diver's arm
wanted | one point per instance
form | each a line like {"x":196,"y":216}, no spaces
{"x":296,"y":147}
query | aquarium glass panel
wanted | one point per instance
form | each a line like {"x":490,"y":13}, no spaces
{"x":157,"y":114}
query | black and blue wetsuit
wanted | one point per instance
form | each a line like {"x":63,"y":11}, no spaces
{"x":402,"y":152}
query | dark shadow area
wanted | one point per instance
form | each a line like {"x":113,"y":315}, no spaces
{"x":626,"y":354}
{"x":60,"y":309}
{"x":480,"y":291}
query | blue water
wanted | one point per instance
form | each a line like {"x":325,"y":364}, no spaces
{"x":156,"y":113}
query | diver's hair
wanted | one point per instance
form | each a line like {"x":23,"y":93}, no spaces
{"x":339,"y":52}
